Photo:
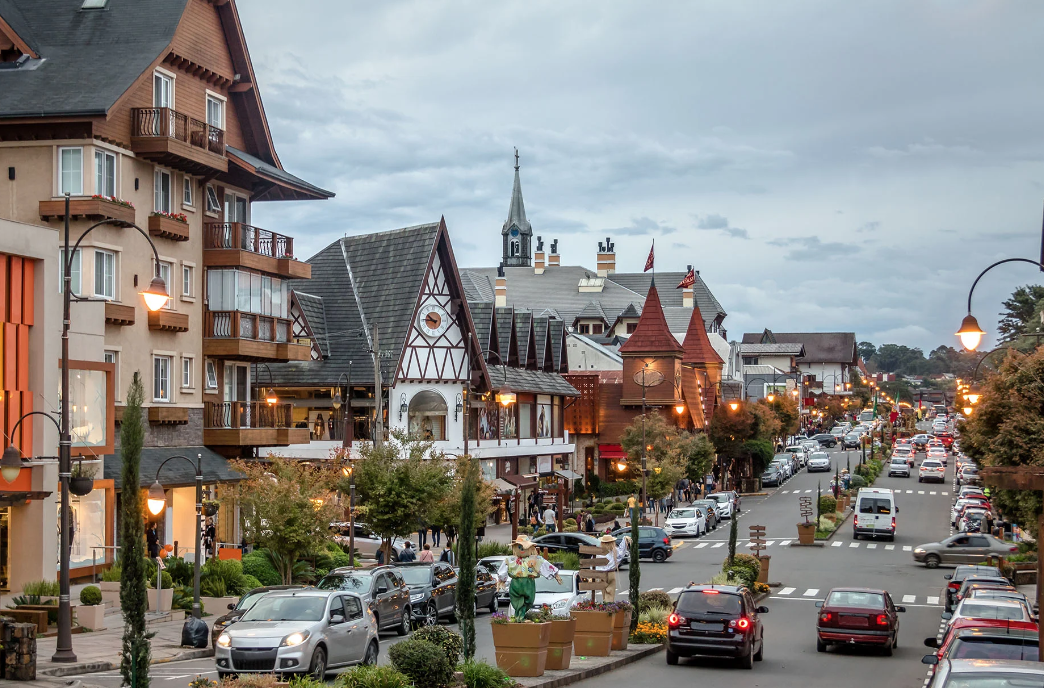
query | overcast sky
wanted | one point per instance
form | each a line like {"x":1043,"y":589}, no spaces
{"x":825,"y":165}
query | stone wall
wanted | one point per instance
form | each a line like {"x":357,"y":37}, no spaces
{"x":19,"y":642}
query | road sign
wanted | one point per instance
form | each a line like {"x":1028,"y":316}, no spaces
{"x":805,"y":504}
{"x":757,"y":539}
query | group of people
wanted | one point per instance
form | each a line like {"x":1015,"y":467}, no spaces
{"x":208,"y":540}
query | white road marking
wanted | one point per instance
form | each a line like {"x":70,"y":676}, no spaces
{"x":909,"y":492}
{"x":872,"y":545}
{"x":784,"y":543}
{"x":787,"y":591}
{"x":811,"y":592}
{"x":807,"y":491}
{"x":701,"y":545}
{"x":853,"y":544}
{"x":932,"y":492}
{"x":909,"y":599}
{"x":920,"y":492}
{"x":889,"y":547}
{"x":784,"y":491}
{"x":655,"y":589}
{"x":946,"y":494}
{"x":907,"y":548}
{"x":933,"y":600}
{"x":675,"y":591}
{"x":717,"y":544}
{"x":835,"y":544}
{"x":768,"y":543}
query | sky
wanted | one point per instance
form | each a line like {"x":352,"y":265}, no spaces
{"x":826,"y":166}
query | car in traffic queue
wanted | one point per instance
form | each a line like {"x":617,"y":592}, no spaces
{"x":825,"y":440}
{"x":492,"y":564}
{"x":560,"y":597}
{"x":971,"y":501}
{"x":931,"y":469}
{"x":772,"y":477}
{"x":971,"y":585}
{"x":810,"y":446}
{"x":299,"y":632}
{"x":875,"y":513}
{"x":382,"y":589}
{"x":819,"y":461}
{"x":963,"y":548}
{"x":1001,"y":610}
{"x":906,"y":453}
{"x":711,"y":510}
{"x":433,"y":591}
{"x":937,"y":454}
{"x":969,"y":475}
{"x":920,"y":442}
{"x":960,"y":573}
{"x":717,"y":621}
{"x":238,"y":609}
{"x":987,"y":593}
{"x":852,"y":440}
{"x":366,"y":541}
{"x":565,"y":542}
{"x":858,"y":616}
{"x":728,"y":501}
{"x":946,"y":438}
{"x":898,"y":466}
{"x":970,"y":491}
{"x":653,"y":542}
{"x":686,"y":520}
{"x":984,"y":639}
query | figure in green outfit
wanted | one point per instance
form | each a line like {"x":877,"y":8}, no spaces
{"x":522,"y":568}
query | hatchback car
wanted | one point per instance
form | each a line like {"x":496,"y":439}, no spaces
{"x":969,"y":502}
{"x":237,"y":610}
{"x":955,"y":579}
{"x":711,"y":509}
{"x":964,"y":548}
{"x":433,"y":591}
{"x":689,"y":520}
{"x":969,"y":475}
{"x":985,"y":642}
{"x":653,"y":543}
{"x":931,"y":469}
{"x":819,"y":461}
{"x":716,"y":620}
{"x":898,"y":466}
{"x":858,"y":616}
{"x":1001,"y":610}
{"x":852,"y":440}
{"x":904,"y":452}
{"x":383,"y":591}
{"x":937,"y":454}
{"x":305,"y":631}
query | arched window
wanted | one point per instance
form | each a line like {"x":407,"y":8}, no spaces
{"x":514,"y":249}
{"x":428,"y":415}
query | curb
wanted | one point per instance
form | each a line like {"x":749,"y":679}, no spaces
{"x":753,"y":494}
{"x":596,"y":671}
{"x":820,"y":543}
{"x":844,"y":517}
{"x":95,"y":667}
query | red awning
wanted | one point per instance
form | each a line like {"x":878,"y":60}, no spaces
{"x":611,"y":451}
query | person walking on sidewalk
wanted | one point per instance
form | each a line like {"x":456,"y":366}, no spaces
{"x":422,"y":536}
{"x":436,"y":535}
{"x":614,"y":552}
{"x":408,"y":554}
{"x":550,"y":522}
{"x":426,"y":556}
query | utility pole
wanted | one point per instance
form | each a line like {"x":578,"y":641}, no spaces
{"x":378,"y":421}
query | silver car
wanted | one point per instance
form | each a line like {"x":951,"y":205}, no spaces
{"x":987,"y":672}
{"x":963,"y":548}
{"x":305,"y":631}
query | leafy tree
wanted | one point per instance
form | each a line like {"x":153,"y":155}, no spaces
{"x":134,"y":664}
{"x":733,"y":534}
{"x":287,"y":508}
{"x":866,"y":350}
{"x":466,"y":553}
{"x":1022,"y":313}
{"x":699,"y":458}
{"x":447,"y":511}
{"x":666,"y":448}
{"x":785,"y":408}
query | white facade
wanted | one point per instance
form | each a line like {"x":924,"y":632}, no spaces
{"x":586,"y":355}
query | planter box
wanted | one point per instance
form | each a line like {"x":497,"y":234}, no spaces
{"x":217,"y":605}
{"x":763,"y":572}
{"x":594,"y":634}
{"x":167,"y":228}
{"x":92,"y":617}
{"x":521,"y":648}
{"x":110,"y":592}
{"x":560,"y":645}
{"x":166,"y":598}
{"x":806,"y":533}
{"x":621,"y":629}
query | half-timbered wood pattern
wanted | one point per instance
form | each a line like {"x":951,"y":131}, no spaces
{"x":441,"y":358}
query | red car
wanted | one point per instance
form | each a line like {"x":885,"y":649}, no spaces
{"x":964,"y":627}
{"x":946,"y":438}
{"x":858,"y":616}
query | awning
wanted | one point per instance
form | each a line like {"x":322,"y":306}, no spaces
{"x":18,"y":498}
{"x":520,"y":480}
{"x":501,"y":485}
{"x":568,"y":475}
{"x":611,"y":451}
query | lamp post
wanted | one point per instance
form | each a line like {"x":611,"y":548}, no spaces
{"x":155,"y":297}
{"x":970,"y":333}
{"x":157,"y":500}
{"x":11,"y":464}
{"x":346,"y":444}
{"x":270,"y":396}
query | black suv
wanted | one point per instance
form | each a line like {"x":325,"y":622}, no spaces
{"x":433,"y":591}
{"x":653,"y":543}
{"x":825,"y":440}
{"x":382,"y":588}
{"x":716,"y":620}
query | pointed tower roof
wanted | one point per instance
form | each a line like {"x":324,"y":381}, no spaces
{"x":652,"y":335}
{"x":517,"y":209}
{"x":697,"y":345}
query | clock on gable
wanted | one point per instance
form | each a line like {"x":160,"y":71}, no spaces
{"x":433,"y":320}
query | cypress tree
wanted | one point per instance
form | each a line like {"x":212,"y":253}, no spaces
{"x":134,"y":665}
{"x":634,"y":571}
{"x":733,"y":532}
{"x":466,"y":561}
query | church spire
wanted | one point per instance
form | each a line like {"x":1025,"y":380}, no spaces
{"x":517,"y":231}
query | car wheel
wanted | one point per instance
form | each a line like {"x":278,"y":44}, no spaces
{"x":493,"y":605}
{"x":888,"y":649}
{"x":317,"y":668}
{"x":431,"y":616}
{"x":747,"y":662}
{"x":820,"y":645}
{"x":370,"y":658}
{"x":931,"y":561}
{"x":760,"y":654}
{"x":672,"y":658}
{"x":404,"y":625}
{"x":659,"y":556}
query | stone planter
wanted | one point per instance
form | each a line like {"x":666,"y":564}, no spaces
{"x":806,"y":533}
{"x":560,"y":644}
{"x":110,"y":592}
{"x":91,"y":616}
{"x":521,"y":648}
{"x":165,"y":599}
{"x":621,"y":629}
{"x":594,"y":634}
{"x":217,"y":605}
{"x":763,"y":572}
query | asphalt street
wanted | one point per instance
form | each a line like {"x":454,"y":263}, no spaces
{"x":805,"y":575}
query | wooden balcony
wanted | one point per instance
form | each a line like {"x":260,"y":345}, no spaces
{"x":250,"y":424}
{"x":248,"y":337}
{"x":118,"y":314}
{"x":87,"y":208}
{"x":168,"y":321}
{"x":234,"y":244}
{"x":168,"y":415}
{"x":174,"y":139}
{"x":168,"y":228}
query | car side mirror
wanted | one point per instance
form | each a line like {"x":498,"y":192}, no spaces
{"x":931,"y":642}
{"x":931,"y":660}
{"x":947,"y":616}
{"x":948,"y":576}
{"x":382,"y":589}
{"x":900,"y":609}
{"x":232,"y":605}
{"x":896,"y":509}
{"x":336,"y":616}
{"x":819,"y":605}
{"x":763,"y":610}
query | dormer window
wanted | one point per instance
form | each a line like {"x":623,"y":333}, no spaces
{"x":94,"y":4}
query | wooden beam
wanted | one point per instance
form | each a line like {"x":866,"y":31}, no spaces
{"x":240,"y":87}
{"x":1014,"y":477}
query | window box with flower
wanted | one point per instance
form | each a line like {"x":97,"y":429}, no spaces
{"x":172,"y":226}
{"x":96,"y":207}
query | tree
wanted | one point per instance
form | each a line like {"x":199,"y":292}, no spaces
{"x":287,"y":508}
{"x":699,"y":458}
{"x":866,"y":350}
{"x":134,"y":664}
{"x":466,"y":553}
{"x":665,"y":447}
{"x":733,"y":534}
{"x":785,"y":408}
{"x":1022,"y":313}
{"x":447,"y":511}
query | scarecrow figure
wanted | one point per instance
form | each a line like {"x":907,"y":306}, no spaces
{"x":615,"y":553}
{"x":523,"y":567}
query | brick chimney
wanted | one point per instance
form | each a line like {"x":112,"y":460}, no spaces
{"x":606,"y":258}
{"x":538,"y":257}
{"x":687,"y":291}
{"x":500,"y":292}
{"x":554,"y":260}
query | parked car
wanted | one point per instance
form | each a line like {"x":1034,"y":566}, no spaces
{"x":858,"y":616}
{"x":382,"y":589}
{"x":564,"y":542}
{"x":972,"y":520}
{"x":725,"y":500}
{"x":963,"y":548}
{"x":560,"y":596}
{"x":492,"y":565}
{"x":825,"y":440}
{"x":486,"y":589}
{"x":971,"y":585}
{"x":985,"y":642}
{"x":237,"y":610}
{"x":970,"y":491}
{"x":653,"y":543}
{"x":819,"y":461}
{"x":688,"y":520}
{"x":1002,"y":610}
{"x":931,"y":469}
{"x":810,"y":446}
{"x":969,"y":475}
{"x":852,"y":440}
{"x":296,"y":632}
{"x":986,"y":593}
{"x":366,"y":541}
{"x":719,"y":620}
{"x":972,"y":502}
{"x":875,"y":513}
{"x":784,"y":467}
{"x":898,"y":466}
{"x":960,"y":573}
{"x":433,"y":591}
{"x":772,"y":477}
{"x":712,"y":511}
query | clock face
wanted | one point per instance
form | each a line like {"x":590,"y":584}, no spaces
{"x":514,"y":232}
{"x":433,"y":320}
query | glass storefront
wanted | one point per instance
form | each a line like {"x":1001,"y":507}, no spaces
{"x":88,"y":522}
{"x":87,"y":421}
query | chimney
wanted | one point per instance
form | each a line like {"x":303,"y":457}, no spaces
{"x":554,"y":260}
{"x":500,"y":299}
{"x":606,"y":258}
{"x":687,"y":291}
{"x":538,"y":257}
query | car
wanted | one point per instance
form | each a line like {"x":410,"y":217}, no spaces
{"x":726,"y":501}
{"x":898,"y":466}
{"x":486,"y":589}
{"x":784,"y":468}
{"x":852,"y":440}
{"x":960,"y":505}
{"x":970,"y":585}
{"x":565,"y":542}
{"x":492,"y":565}
{"x":963,"y":548}
{"x":920,"y":442}
{"x":716,"y":620}
{"x":433,"y":591}
{"x":969,"y":490}
{"x":931,"y":469}
{"x":299,"y":632}
{"x":946,"y":438}
{"x":973,"y":520}
{"x":653,"y":543}
{"x":984,"y":639}
{"x":689,"y":520}
{"x":937,"y":454}
{"x":838,"y":433}
{"x":961,"y":572}
{"x":711,"y":509}
{"x":382,"y":589}
{"x":810,"y":446}
{"x":1002,"y":610}
{"x":858,"y":616}
{"x":237,"y":610}
{"x":366,"y":541}
{"x":560,"y":597}
{"x":875,"y":513}
{"x":819,"y":461}
{"x":772,"y":477}
{"x":787,"y":462}
{"x":825,"y":440}
{"x":969,"y":475}
{"x":797,"y":450}
{"x":981,"y":593}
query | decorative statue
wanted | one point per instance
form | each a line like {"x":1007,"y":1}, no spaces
{"x":615,"y":554}
{"x":523,"y":567}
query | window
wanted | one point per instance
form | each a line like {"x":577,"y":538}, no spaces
{"x":597,"y":328}
{"x":162,"y":185}
{"x":211,"y":375}
{"x":235,"y":208}
{"x":74,"y":271}
{"x":186,"y":191}
{"x":584,"y":329}
{"x":427,"y":415}
{"x":631,"y":327}
{"x":114,"y":358}
{"x":232,"y":290}
{"x":213,"y":204}
{"x":161,"y":378}
{"x":186,"y":372}
{"x":70,"y":161}
{"x":215,"y":112}
{"x":186,"y":280}
{"x":162,"y":91}
{"x":164,"y":272}
{"x":104,"y":173}
{"x":104,"y":274}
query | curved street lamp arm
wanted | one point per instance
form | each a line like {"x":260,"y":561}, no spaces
{"x":110,"y":221}
{"x":197,"y":464}
{"x":975,"y":373}
{"x":499,"y":358}
{"x":35,"y":413}
{"x":999,"y":262}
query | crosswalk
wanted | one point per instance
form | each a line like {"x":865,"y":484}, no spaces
{"x":813,"y":594}
{"x":783,"y":542}
{"x":929,"y":493}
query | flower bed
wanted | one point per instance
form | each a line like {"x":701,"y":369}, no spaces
{"x":649,"y":632}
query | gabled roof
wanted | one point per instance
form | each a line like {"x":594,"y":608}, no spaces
{"x":524,"y":335}
{"x":215,"y":467}
{"x":819,"y":347}
{"x":593,"y":311}
{"x":476,"y":287}
{"x":781,"y":349}
{"x":283,"y":178}
{"x":763,"y":370}
{"x":14,"y":26}
{"x":541,"y":340}
{"x":556,"y":330}
{"x":697,"y":346}
{"x":535,"y":381}
{"x":314,"y":310}
{"x":651,"y":334}
{"x":639,"y":282}
{"x":482,"y":315}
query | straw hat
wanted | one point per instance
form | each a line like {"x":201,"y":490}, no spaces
{"x":523,"y":541}
{"x":607,"y":538}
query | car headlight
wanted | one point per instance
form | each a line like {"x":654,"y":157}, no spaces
{"x":919,"y":550}
{"x":417,"y":598}
{"x":224,"y":640}
{"x":294,"y":639}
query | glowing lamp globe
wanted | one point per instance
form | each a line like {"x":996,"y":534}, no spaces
{"x":970,"y":333}
{"x":157,"y":499}
{"x":156,"y":295}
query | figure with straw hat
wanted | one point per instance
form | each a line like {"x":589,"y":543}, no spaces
{"x":614,"y":553}
{"x":522,"y":568}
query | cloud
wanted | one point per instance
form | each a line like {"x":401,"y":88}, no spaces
{"x":719,"y":222}
{"x":642,"y":226}
{"x":871,"y":226}
{"x":813,"y":248}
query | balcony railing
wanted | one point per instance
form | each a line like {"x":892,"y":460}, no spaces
{"x":161,"y":122}
{"x":236,"y":235}
{"x":240,"y":325}
{"x":239,"y":415}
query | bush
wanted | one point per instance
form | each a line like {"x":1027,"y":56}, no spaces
{"x":42,"y":588}
{"x":857,"y":481}
{"x":256,"y":564}
{"x":179,"y":569}
{"x":306,"y":681}
{"x":451,"y":643}
{"x":91,"y":596}
{"x":569,"y":522}
{"x":654,"y":599}
{"x":423,"y":663}
{"x":182,"y":599}
{"x":655,"y":615}
{"x":827,"y":504}
{"x":618,"y":507}
{"x":489,"y":548}
{"x":112,"y":574}
{"x":338,"y":559}
{"x":372,"y":677}
{"x":212,"y":587}
{"x":227,"y":571}
{"x":248,"y":583}
{"x":168,"y":582}
{"x":745,"y":568}
{"x":479,"y":674}
{"x":565,"y":560}
{"x":251,"y":681}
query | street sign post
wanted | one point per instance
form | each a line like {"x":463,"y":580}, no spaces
{"x":757,"y":540}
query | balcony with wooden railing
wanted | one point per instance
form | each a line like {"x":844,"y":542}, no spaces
{"x":250,"y":424}
{"x":174,"y":139}
{"x":236,"y":244}
{"x":243,"y":336}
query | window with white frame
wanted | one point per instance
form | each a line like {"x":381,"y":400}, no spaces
{"x":161,"y":378}
{"x":186,"y":372}
{"x":215,"y":112}
{"x":187,"y":274}
{"x":186,"y":191}
{"x":104,"y":173}
{"x":162,"y":191}
{"x":104,"y":274}
{"x":211,"y":374}
{"x":70,"y":176}
{"x":213,"y":204}
{"x":113,"y":357}
{"x":162,"y":91}
{"x":74,"y":271}
{"x":165,"y":271}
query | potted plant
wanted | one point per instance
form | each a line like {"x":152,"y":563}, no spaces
{"x":560,"y":643}
{"x":82,"y":481}
{"x":91,"y":612}
{"x":621,"y":625}
{"x":160,"y":600}
{"x":110,"y":584}
{"x":521,"y":646}
{"x":594,"y":628}
{"x":210,"y":507}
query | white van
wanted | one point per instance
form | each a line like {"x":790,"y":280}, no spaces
{"x":875,"y":512}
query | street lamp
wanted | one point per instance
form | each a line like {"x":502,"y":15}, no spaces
{"x":270,"y":396}
{"x":157,"y":501}
{"x":970,"y":332}
{"x":11,"y":464}
{"x":734,"y":405}
{"x":679,"y":408}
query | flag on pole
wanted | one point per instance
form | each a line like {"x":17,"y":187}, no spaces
{"x":649,"y":260}
{"x":690,"y":279}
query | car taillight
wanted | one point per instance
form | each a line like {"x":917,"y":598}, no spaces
{"x":1013,"y":549}
{"x":710,"y":592}
{"x":742,"y":623}
{"x":955,"y":586}
{"x":666,"y":541}
{"x":826,"y":616}
{"x":674,"y":620}
{"x":882,"y":620}
{"x":893,"y":522}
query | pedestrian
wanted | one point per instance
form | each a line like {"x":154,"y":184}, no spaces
{"x":550,"y":521}
{"x":426,"y":556}
{"x":209,"y":538}
{"x":988,"y":519}
{"x":533,"y":523}
{"x":422,"y":536}
{"x":436,"y":535}
{"x":380,"y":556}
{"x":589,"y":523}
{"x":152,"y":540}
{"x":407,"y":554}
{"x":451,"y":535}
{"x":447,"y":556}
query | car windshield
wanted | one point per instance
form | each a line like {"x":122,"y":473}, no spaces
{"x":287,"y":608}
{"x":719,"y":498}
{"x":874,"y":505}
{"x":855,"y":598}
{"x":1021,"y":649}
{"x":709,"y":602}
{"x":550,"y":585}
{"x":416,"y":575}
{"x":820,"y":455}
{"x":991,"y":611}
{"x":250,"y":599}
{"x":490,"y":565}
{"x":683,"y":513}
{"x":931,"y":464}
{"x":354,"y":582}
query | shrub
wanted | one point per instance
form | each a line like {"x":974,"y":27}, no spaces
{"x":723,"y":579}
{"x":41,"y":588}
{"x":423,"y":663}
{"x":91,"y":596}
{"x":654,"y":599}
{"x":479,"y":674}
{"x":451,"y":643}
{"x":179,"y":569}
{"x":306,"y":681}
{"x":248,"y":583}
{"x":338,"y":559}
{"x":760,"y":588}
{"x":168,"y":582}
{"x":182,"y":598}
{"x":656,"y":615}
{"x":618,"y":507}
{"x":565,"y":560}
{"x":212,"y":587}
{"x":227,"y":571}
{"x":373,"y":677}
{"x":569,"y":522}
{"x":257,"y":564}
{"x":489,"y":548}
{"x":112,"y":574}
{"x":650,"y":633}
{"x":827,"y":504}
{"x":857,"y":481}
{"x":745,"y":568}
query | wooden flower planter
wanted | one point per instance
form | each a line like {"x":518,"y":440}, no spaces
{"x":560,"y":645}
{"x":521,"y":648}
{"x":594,"y":633}
{"x":168,"y":228}
{"x":806,"y":533}
{"x":621,"y":629}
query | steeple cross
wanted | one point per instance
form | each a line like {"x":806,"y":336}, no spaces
{"x":516,"y":159}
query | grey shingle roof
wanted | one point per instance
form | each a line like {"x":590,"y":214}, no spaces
{"x":524,"y":331}
{"x":678,"y":318}
{"x":762,"y":370}
{"x":177,"y":472}
{"x":273,"y":171}
{"x":540,"y":335}
{"x":534,"y":381}
{"x":594,"y":310}
{"x":820,"y":347}
{"x":505,"y":326}
{"x":639,"y":283}
{"x":482,"y":316}
{"x":476,"y":287}
{"x":556,"y":330}
{"x":18,"y":23}
{"x":783,"y":348}
{"x":314,"y":310}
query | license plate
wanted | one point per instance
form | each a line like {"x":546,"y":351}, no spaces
{"x":853,"y":621}
{"x":705,"y":625}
